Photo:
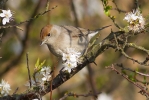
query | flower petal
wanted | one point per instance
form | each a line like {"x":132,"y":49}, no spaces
{"x":2,"y":15}
{"x":4,"y":21}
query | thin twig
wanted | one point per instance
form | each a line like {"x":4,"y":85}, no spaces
{"x":136,"y":4}
{"x":139,"y":73}
{"x":134,"y":60}
{"x":143,"y":89}
{"x":118,"y":9}
{"x":52,"y":72}
{"x":35,"y":17}
{"x":91,"y":80}
{"x":29,"y":76}
{"x":16,"y":90}
{"x":137,"y":47}
{"x":1,"y":40}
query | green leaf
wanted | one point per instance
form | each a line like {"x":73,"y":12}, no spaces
{"x":37,"y":63}
{"x":42,"y":63}
{"x":106,"y":10}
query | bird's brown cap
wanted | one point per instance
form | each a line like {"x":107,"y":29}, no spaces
{"x":45,"y":31}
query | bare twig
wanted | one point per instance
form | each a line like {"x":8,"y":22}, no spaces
{"x":133,"y":45}
{"x":91,"y":81}
{"x":1,"y":39}
{"x":136,"y":4}
{"x":134,"y":60}
{"x":51,"y":82}
{"x":139,"y":73}
{"x":143,"y":90}
{"x":118,"y":9}
{"x":29,"y":75}
{"x":16,"y":90}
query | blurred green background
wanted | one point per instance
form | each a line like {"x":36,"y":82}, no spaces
{"x":90,"y":15}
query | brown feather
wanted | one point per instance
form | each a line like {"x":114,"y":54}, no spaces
{"x":45,"y":31}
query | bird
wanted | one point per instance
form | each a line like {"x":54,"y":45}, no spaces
{"x":59,"y":38}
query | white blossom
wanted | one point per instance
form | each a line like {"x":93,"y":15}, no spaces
{"x":70,"y":59}
{"x":6,"y":15}
{"x":45,"y":71}
{"x":135,"y":21}
{"x":33,"y":83}
{"x":69,"y":66}
{"x":104,"y":96}
{"x":4,"y":88}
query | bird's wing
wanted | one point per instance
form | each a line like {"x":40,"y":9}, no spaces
{"x":76,"y":31}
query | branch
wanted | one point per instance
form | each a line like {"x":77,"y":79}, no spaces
{"x":143,"y":90}
{"x":134,"y":60}
{"x":29,"y":75}
{"x":118,"y":9}
{"x":137,"y":47}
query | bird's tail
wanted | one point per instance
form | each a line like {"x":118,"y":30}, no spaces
{"x":97,"y":30}
{"x":93,"y":33}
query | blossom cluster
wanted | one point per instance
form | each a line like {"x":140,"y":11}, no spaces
{"x":4,"y":88}
{"x":46,"y":73}
{"x":6,"y":15}
{"x":70,"y":59}
{"x":135,"y":20}
{"x":41,"y":77}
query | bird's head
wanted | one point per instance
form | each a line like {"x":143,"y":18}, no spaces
{"x":48,"y":34}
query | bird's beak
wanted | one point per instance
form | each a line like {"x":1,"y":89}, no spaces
{"x":43,"y":42}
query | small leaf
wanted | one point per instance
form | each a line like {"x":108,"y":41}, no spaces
{"x":106,"y":10}
{"x":37,"y":63}
{"x":41,"y":64}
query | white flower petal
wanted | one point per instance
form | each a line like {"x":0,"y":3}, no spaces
{"x":2,"y":15}
{"x":4,"y":11}
{"x":5,"y":88}
{"x":4,"y":21}
{"x":135,"y":20}
{"x":44,"y":78}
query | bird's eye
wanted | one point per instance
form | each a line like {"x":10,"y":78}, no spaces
{"x":48,"y":34}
